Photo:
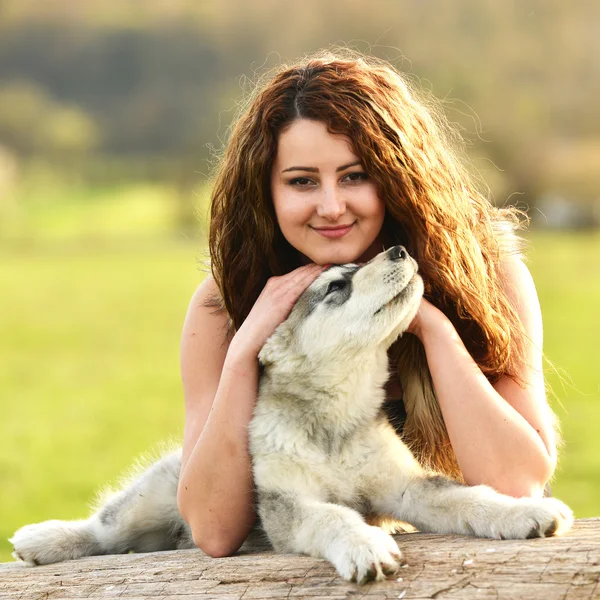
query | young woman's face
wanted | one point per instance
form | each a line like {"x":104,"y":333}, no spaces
{"x":326,"y":206}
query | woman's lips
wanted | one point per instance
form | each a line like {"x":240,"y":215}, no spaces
{"x":334,"y":232}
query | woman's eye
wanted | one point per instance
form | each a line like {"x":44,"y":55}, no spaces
{"x":334,"y":286}
{"x":357,"y":176}
{"x":300,"y":181}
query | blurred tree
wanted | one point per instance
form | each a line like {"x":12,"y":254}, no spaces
{"x":161,"y":80}
{"x":22,"y":108}
{"x":32,"y":123}
{"x":67,"y":132}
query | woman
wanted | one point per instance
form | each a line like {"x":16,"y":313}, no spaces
{"x":332,"y":160}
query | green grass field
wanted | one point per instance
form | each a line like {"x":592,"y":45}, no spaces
{"x":89,"y":344}
{"x":566,"y":269}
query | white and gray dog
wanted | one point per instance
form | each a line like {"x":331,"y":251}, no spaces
{"x":326,"y":461}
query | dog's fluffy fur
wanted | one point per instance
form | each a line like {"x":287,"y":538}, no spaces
{"x":326,"y":461}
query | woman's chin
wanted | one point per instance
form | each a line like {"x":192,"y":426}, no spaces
{"x":334,"y":258}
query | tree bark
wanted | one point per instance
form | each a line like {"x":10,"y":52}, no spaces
{"x":437,"y":566}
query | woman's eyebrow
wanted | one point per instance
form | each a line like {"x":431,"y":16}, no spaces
{"x":315,"y":170}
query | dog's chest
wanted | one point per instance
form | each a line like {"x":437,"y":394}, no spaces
{"x":307,"y":456}
{"x":300,"y":431}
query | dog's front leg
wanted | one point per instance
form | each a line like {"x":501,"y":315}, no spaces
{"x":441,"y":505}
{"x":358,"y":551}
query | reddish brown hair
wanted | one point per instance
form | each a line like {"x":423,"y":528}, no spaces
{"x":433,"y":207}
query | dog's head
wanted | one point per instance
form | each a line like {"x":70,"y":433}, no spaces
{"x":349,"y":309}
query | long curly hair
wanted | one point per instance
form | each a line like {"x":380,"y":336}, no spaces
{"x":434,"y":207}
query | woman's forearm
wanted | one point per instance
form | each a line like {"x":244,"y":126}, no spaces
{"x":215,"y":490}
{"x":494,"y":444}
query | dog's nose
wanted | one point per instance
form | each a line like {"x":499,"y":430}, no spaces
{"x":398,"y":253}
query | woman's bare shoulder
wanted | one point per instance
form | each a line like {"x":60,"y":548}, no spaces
{"x":207,"y":290}
{"x":206,"y":302}
{"x":520,"y":290}
{"x":204,"y":342}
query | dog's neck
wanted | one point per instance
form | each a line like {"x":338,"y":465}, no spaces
{"x":343,"y":395}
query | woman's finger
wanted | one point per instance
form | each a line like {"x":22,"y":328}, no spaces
{"x":300,"y":281}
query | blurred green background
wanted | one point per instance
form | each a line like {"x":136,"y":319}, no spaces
{"x":110,"y":115}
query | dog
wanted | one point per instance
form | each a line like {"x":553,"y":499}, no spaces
{"x":326,"y":461}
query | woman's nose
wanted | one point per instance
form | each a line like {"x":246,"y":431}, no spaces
{"x":331,"y":204}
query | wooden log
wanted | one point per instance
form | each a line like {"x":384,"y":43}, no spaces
{"x":437,"y":566}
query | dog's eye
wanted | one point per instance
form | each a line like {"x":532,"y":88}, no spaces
{"x":334,"y":286}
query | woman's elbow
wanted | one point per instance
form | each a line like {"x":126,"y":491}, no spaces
{"x":533,"y":476}
{"x":535,"y":485}
{"x":520,"y":482}
{"x":528,"y":485}
{"x":215,"y":546}
{"x":523,"y":489}
{"x":213,"y":539}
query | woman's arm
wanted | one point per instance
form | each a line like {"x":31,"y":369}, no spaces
{"x":502,"y":434}
{"x":220,"y":383}
{"x":215,"y":488}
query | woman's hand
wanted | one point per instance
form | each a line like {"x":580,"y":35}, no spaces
{"x":272,"y":308}
{"x":428,"y":316}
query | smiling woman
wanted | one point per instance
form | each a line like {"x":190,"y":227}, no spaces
{"x":328,"y":209}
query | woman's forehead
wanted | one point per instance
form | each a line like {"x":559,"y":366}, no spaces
{"x":307,"y":143}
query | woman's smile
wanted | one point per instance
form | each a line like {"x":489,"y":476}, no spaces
{"x":336,"y":231}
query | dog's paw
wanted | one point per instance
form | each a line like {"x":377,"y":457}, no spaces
{"x":371,"y":554}
{"x":530,"y":518}
{"x":48,"y":542}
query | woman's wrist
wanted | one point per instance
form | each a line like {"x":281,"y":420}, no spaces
{"x":241,"y":359}
{"x":429,"y":322}
{"x":432,"y":328}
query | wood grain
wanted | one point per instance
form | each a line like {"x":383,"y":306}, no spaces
{"x":448,"y":566}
